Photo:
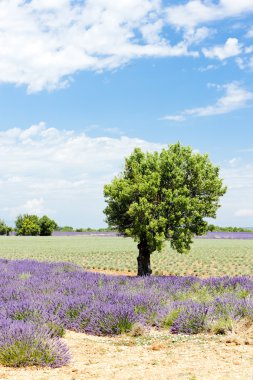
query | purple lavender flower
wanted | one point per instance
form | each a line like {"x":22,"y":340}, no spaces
{"x":23,"y":344}
{"x":58,"y":296}
{"x":191,"y":320}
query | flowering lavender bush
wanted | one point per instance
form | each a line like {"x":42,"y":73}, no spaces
{"x":39,"y":300}
{"x":191,"y":320}
{"x":23,"y":344}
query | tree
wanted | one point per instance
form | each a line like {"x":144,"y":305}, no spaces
{"x":31,"y":225}
{"x":163,"y":196}
{"x":4,"y":229}
{"x":27,"y":225}
{"x":66,"y":229}
{"x":47,"y":226}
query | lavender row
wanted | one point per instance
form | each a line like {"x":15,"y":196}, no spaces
{"x":86,"y":233}
{"x":227,"y":235}
{"x":209,"y":235}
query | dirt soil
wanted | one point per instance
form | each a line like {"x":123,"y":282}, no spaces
{"x":153,"y":356}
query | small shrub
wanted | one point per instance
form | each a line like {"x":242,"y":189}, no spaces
{"x":72,"y":313}
{"x":25,"y":276}
{"x":55,"y":329}
{"x":24,"y":311}
{"x":137,"y":330}
{"x":191,"y":320}
{"x":171,"y":317}
{"x":222,"y":326}
{"x":24,"y":344}
{"x":243,"y":293}
{"x":140,"y":309}
{"x":111,"y":320}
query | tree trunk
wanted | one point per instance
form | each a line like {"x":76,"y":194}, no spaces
{"x":143,"y":260}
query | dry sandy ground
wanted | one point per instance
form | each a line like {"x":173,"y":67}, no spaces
{"x":158,"y":356}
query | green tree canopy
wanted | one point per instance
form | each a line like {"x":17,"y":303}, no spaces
{"x":32,"y":225}
{"x":47,"y":226}
{"x":163,"y":196}
{"x":27,"y":225}
{"x":4,"y":229}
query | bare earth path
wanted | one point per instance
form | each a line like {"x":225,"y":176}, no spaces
{"x":157,"y":356}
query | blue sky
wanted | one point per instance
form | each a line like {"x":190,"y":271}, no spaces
{"x":84,"y":82}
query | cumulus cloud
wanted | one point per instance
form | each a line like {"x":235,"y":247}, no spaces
{"x":195,"y":36}
{"x":245,"y":63}
{"x":44,"y":42}
{"x":231,"y":48}
{"x":250,"y":33}
{"x":192,"y":15}
{"x":34,"y":206}
{"x":248,"y":212}
{"x":60,"y":173}
{"x":235,"y":98}
{"x":197,"y":12}
{"x":31,"y":206}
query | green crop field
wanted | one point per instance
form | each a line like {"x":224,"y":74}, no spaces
{"x":207,"y":257}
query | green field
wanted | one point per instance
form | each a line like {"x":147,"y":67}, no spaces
{"x":207,"y":257}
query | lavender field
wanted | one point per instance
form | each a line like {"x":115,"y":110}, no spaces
{"x":209,"y":235}
{"x":227,"y":235}
{"x":39,"y":301}
{"x":208,"y":257}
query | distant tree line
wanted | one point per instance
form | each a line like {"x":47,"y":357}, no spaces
{"x":87,"y":229}
{"x":104,"y":229}
{"x":229,"y":229}
{"x":32,"y":225}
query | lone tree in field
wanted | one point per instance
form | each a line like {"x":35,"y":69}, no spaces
{"x":163,"y":196}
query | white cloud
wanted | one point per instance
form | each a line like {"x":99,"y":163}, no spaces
{"x":208,"y":68}
{"x":250,"y":33}
{"x":152,"y":32}
{"x":60,"y":173}
{"x":113,"y":130}
{"x":248,"y":49}
{"x":31,"y":206}
{"x":195,"y":36}
{"x":237,"y":202}
{"x":235,"y":98}
{"x":173,"y":118}
{"x":197,"y":12}
{"x":234,"y":161}
{"x":245,"y":63}
{"x":43,"y":42}
{"x":231,"y":48}
{"x":34,"y":206}
{"x":238,"y":177}
{"x":61,"y":37}
{"x":246,"y":212}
